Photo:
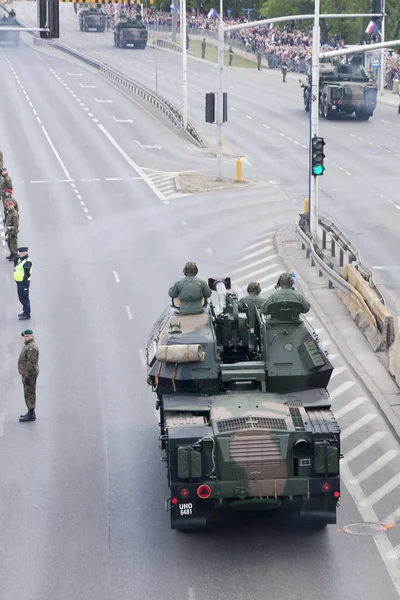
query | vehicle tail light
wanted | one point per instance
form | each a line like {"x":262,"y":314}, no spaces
{"x":184,"y":493}
{"x":204,"y":491}
{"x":336,"y":494}
{"x":174,"y":501}
{"x":326,"y":487}
{"x":340,"y":102}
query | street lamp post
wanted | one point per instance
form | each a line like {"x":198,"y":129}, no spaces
{"x":184,"y":65}
{"x":314,"y":107}
{"x":383,"y":66}
{"x":220,"y":97}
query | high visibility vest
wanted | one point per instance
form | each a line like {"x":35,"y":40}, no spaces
{"x":19,"y":271}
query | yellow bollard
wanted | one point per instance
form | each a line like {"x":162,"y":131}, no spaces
{"x":239,"y":177}
{"x":306,"y":205}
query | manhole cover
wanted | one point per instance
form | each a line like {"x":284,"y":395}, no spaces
{"x":365,"y":528}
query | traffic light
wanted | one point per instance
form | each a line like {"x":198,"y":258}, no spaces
{"x":210,"y":107}
{"x":49,"y":18}
{"x":377,"y":6}
{"x":317,"y":156}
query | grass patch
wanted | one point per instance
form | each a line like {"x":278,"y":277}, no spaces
{"x":212,"y":55}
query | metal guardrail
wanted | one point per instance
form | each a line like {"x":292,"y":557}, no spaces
{"x":166,"y":107}
{"x":317,"y":256}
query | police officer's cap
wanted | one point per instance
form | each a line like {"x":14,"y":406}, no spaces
{"x":23,"y":249}
{"x":190,"y":268}
{"x":4,"y":169}
{"x":27,"y":332}
{"x":254,"y":288}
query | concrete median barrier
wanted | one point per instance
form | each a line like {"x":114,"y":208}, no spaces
{"x":368,"y":312}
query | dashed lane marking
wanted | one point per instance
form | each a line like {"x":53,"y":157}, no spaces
{"x":128,"y":312}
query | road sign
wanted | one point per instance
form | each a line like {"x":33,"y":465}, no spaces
{"x":376,"y":62}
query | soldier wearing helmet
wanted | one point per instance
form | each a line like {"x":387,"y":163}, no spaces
{"x":286,"y":293}
{"x":190,"y":290}
{"x":252,"y":302}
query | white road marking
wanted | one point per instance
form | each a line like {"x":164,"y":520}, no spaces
{"x":122,"y":120}
{"x":392,"y":518}
{"x":270,"y":276}
{"x":336,"y":371}
{"x":367,"y":443}
{"x":249,"y":276}
{"x":64,"y":168}
{"x":89,"y":217}
{"x":234,"y":109}
{"x":376,"y":465}
{"x":40,"y":181}
{"x":116,"y":277}
{"x":384,"y":490}
{"x":368,"y":514}
{"x":257,"y":253}
{"x":347,"y":173}
{"x":397,"y":206}
{"x":303,"y":146}
{"x":142,"y":358}
{"x":87,"y":86}
{"x":255,"y":263}
{"x":2,"y":420}
{"x":267,"y":289}
{"x":248,"y":117}
{"x":75,"y":74}
{"x":266,"y":126}
{"x":128,"y":312}
{"x":258,"y":244}
{"x":357,"y":425}
{"x":131,"y":163}
{"x":350,"y":406}
{"x":114,"y":178}
{"x":342,"y":388}
{"x":104,"y":101}
{"x":380,"y":268}
{"x":191,"y":595}
{"x":147,"y":146}
{"x":383,"y":121}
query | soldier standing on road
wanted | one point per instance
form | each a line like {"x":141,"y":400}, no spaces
{"x":231,"y":53}
{"x":1,"y":160}
{"x":5,"y":182}
{"x":259,"y":58}
{"x":187,"y":41}
{"x":12,"y":229}
{"x":284,"y":70}
{"x":190,"y":290}
{"x":28,"y":368}
{"x":22,"y":277}
{"x":252,"y":301}
{"x":8,"y":197}
{"x":286,"y":293}
{"x":203,"y":48}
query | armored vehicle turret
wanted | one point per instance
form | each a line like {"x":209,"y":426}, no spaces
{"x":92,"y":18}
{"x":343,"y":88}
{"x":245,"y":416}
{"x":130,"y":32}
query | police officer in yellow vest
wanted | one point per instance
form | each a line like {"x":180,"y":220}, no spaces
{"x":22,"y":277}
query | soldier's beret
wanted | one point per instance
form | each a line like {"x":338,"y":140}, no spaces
{"x":23,"y":249}
{"x":10,"y":203}
{"x":27,"y":332}
{"x":8,"y":191}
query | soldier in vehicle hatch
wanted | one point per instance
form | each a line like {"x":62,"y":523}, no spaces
{"x":252,"y":302}
{"x":190,"y":290}
{"x":285,"y":293}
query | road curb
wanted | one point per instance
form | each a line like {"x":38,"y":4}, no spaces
{"x":366,"y":380}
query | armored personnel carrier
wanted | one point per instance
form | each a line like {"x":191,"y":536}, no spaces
{"x":7,"y":36}
{"x":129,"y":32}
{"x":92,"y":18}
{"x":245,"y":416}
{"x":343,"y":88}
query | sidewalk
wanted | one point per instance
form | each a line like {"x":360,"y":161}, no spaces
{"x":329,"y":309}
{"x":389,"y":98}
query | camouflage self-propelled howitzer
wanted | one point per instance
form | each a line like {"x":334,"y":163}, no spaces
{"x":245,"y":416}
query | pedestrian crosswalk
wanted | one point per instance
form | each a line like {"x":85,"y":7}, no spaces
{"x":371,"y":455}
{"x":165,"y":182}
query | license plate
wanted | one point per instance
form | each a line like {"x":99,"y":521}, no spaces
{"x":186,"y":509}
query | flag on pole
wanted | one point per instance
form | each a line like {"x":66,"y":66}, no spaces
{"x":372,"y":28}
{"x":172,"y":7}
{"x":213,"y":13}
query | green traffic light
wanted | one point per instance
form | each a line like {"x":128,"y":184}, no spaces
{"x":318,"y":170}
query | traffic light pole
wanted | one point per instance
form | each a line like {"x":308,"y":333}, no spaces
{"x":314,"y":108}
{"x":383,"y":65}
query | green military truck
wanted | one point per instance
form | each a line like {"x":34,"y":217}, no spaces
{"x":130,"y":33}
{"x":343,"y":89}
{"x":92,"y":18}
{"x":7,"y":36}
{"x":245,"y":417}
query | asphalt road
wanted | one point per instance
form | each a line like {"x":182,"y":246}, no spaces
{"x":82,"y":489}
{"x":268,"y":124}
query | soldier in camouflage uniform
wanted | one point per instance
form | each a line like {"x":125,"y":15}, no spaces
{"x":1,"y":160}
{"x":190,"y":290}
{"x":5,"y":182}
{"x":286,"y":293}
{"x":252,"y":301}
{"x":28,"y":368}
{"x":12,"y":229}
{"x":8,"y":197}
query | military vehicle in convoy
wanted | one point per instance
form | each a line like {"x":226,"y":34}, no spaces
{"x":7,"y":36}
{"x":245,"y":416}
{"x":130,"y":32}
{"x":92,"y":18}
{"x":343,"y":88}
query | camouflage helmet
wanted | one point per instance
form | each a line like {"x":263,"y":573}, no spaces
{"x":285,"y":280}
{"x":254,"y":288}
{"x":190,"y":268}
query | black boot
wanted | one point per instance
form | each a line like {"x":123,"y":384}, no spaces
{"x":24,"y":317}
{"x":30,"y":416}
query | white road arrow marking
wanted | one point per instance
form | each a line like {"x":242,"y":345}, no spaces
{"x":75,"y":74}
{"x":107,"y":101}
{"x":145,"y":146}
{"x":87,"y":86}
{"x":122,"y":120}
